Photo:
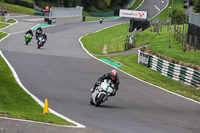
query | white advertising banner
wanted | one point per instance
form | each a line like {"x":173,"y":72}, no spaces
{"x":133,"y":14}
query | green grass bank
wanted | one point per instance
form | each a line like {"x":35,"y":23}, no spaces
{"x":159,"y":43}
{"x":17,"y":9}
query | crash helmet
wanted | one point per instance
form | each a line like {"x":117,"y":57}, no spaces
{"x":113,"y":74}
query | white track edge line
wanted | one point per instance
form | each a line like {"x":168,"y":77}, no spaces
{"x":139,"y":5}
{"x":161,"y":10}
{"x":37,"y":122}
{"x":130,"y":74}
{"x":34,"y":97}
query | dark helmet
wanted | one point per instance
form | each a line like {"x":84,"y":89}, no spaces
{"x":113,"y":74}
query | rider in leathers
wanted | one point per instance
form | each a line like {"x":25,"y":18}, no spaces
{"x":29,"y":32}
{"x":114,"y":80}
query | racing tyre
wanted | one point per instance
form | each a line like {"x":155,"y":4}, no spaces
{"x":100,"y":99}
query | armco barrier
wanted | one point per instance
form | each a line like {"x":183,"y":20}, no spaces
{"x":176,"y":72}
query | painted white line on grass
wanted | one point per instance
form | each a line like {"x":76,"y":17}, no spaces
{"x":35,"y":98}
{"x":130,"y":74}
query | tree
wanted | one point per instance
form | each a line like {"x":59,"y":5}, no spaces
{"x":197,"y":6}
{"x":178,"y":16}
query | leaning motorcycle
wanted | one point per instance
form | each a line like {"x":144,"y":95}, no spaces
{"x":101,"y":21}
{"x":28,"y":38}
{"x":102,"y":92}
{"x":40,"y":42}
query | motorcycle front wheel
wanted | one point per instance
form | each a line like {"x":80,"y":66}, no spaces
{"x":99,"y":100}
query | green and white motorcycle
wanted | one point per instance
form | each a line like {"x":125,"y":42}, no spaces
{"x":28,"y":38}
{"x":102,"y":92}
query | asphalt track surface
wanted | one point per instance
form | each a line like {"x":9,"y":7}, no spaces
{"x":64,"y":73}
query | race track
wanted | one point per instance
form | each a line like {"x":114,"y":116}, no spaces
{"x":64,"y":73}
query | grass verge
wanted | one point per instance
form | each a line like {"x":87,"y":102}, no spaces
{"x":114,"y":37}
{"x":18,"y":9}
{"x":15,"y":102}
{"x":136,"y":4}
{"x":2,"y":35}
{"x":91,"y":18}
{"x":177,"y":4}
{"x":3,"y":25}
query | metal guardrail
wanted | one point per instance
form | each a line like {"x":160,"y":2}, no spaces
{"x":194,"y":19}
{"x":176,"y":72}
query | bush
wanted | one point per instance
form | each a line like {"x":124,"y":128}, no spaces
{"x":10,"y":1}
{"x":178,"y":16}
{"x":197,"y":6}
{"x":26,"y":3}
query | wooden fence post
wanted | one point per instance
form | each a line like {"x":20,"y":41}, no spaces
{"x":160,"y":27}
{"x":177,"y":33}
{"x":174,"y":30}
{"x":182,"y":37}
{"x":190,"y":42}
{"x":167,"y":25}
{"x":179,"y":36}
{"x":195,"y":42}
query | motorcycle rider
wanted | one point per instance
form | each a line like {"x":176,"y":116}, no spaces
{"x":114,"y":80}
{"x":101,"y":20}
{"x":29,"y":32}
{"x":38,"y":32}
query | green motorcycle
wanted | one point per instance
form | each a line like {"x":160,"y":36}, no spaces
{"x":28,"y":38}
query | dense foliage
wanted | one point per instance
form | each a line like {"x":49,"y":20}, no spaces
{"x":197,"y":6}
{"x":178,"y":16}
{"x":87,"y":4}
{"x":26,"y":3}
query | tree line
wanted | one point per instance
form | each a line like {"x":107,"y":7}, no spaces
{"x":88,"y":4}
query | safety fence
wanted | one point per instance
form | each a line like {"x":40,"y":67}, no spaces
{"x":194,"y":19}
{"x":176,"y":72}
{"x":56,"y":12}
{"x":107,"y":14}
